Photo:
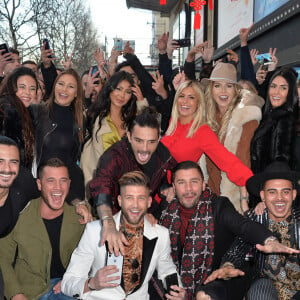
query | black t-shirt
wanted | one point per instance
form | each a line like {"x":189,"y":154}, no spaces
{"x":53,"y":227}
{"x":23,"y":190}
{"x":8,"y":220}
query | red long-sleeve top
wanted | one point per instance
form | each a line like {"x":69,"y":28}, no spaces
{"x":206,"y":141}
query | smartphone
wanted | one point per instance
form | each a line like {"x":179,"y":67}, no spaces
{"x":265,"y":65}
{"x":171,"y":279}
{"x":117,"y":261}
{"x":5,"y":47}
{"x":184,"y":42}
{"x":264,"y":58}
{"x":94,"y":69}
{"x":131,"y":44}
{"x":118,"y":44}
{"x":47,"y":46}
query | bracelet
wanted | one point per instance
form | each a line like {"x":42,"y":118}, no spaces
{"x":106,"y":218}
{"x":84,"y":202}
{"x":89,"y":286}
{"x":244,"y":198}
{"x":227,"y":264}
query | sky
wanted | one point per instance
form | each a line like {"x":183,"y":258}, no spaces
{"x":113,"y":19}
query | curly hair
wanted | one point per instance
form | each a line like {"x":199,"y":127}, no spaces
{"x":101,"y":107}
{"x":77,"y":103}
{"x":212,"y":110}
{"x":9,"y":88}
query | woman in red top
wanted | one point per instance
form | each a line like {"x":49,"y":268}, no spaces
{"x":188,"y":137}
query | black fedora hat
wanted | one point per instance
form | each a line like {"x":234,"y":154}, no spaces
{"x":275,"y":170}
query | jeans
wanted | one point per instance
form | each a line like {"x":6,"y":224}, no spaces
{"x":51,"y":296}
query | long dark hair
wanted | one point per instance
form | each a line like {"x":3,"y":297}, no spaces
{"x":76,"y":104}
{"x":101,"y":107}
{"x":291,"y":104}
{"x":9,"y":89}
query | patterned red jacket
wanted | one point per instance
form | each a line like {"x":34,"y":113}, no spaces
{"x":119,"y":159}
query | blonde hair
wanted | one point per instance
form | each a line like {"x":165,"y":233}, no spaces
{"x":212,"y":109}
{"x":198,"y":118}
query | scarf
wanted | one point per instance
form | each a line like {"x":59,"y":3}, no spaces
{"x":132,"y":264}
{"x":194,"y":261}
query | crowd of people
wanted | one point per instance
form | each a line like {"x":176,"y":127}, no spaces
{"x":187,"y":182}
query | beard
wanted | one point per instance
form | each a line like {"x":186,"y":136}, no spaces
{"x":47,"y":202}
{"x":3,"y":183}
{"x":133,"y":222}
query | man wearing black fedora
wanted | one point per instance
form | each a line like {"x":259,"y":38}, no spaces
{"x":276,"y":276}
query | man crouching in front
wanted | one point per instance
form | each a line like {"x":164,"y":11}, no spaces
{"x":89,"y":276}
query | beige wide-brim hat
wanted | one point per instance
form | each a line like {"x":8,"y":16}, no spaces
{"x":222,"y":72}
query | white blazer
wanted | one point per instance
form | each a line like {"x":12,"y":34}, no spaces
{"x":89,"y":257}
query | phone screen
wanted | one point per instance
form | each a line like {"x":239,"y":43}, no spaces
{"x":94,"y":69}
{"x":264,"y":58}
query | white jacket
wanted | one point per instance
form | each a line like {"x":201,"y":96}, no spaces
{"x":89,"y":257}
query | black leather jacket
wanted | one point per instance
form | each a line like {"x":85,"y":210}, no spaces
{"x":44,"y":125}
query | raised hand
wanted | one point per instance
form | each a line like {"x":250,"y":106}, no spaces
{"x":232,"y":56}
{"x":244,"y":33}
{"x":178,"y":80}
{"x":162,"y":43}
{"x":127,"y":49}
{"x":99,"y":57}
{"x":193,"y":51}
{"x":67,"y":62}
{"x":46,"y":56}
{"x":4,"y":60}
{"x":113,"y":60}
{"x":273,"y":65}
{"x":208,"y":52}
{"x":158,"y":85}
{"x":261,"y":75}
{"x":171,"y":46}
{"x":253,"y":53}
{"x":91,"y":83}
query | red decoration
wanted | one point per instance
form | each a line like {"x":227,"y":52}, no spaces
{"x":163,"y":2}
{"x":198,"y":4}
